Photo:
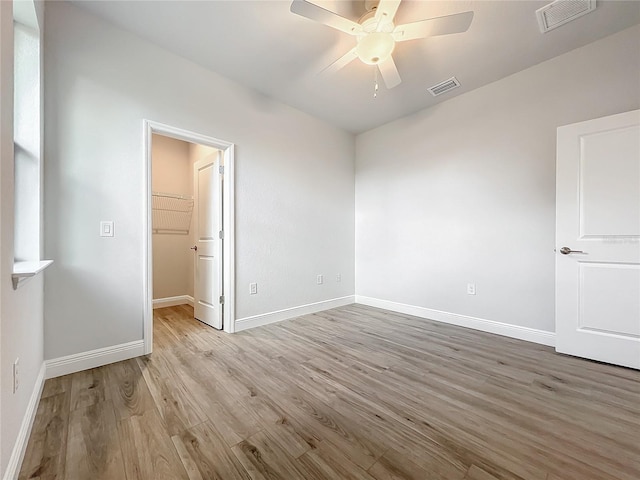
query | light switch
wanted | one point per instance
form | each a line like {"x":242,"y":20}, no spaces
{"x":106,"y":229}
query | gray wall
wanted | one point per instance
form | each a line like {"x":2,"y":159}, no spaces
{"x":294,"y":182}
{"x":21,"y":311}
{"x":465,"y":191}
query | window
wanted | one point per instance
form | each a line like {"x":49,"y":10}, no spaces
{"x":27,"y":139}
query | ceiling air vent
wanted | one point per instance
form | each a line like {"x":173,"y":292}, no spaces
{"x":444,"y":87}
{"x":562,"y":11}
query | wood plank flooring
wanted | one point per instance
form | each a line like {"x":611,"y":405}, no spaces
{"x":351,"y":393}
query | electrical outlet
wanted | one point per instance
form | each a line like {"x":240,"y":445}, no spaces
{"x":16,"y":377}
{"x":338,"y":278}
{"x":471,"y":288}
{"x":253,"y":288}
{"x":320,"y":280}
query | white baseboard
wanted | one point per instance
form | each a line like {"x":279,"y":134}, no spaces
{"x":20,"y":447}
{"x":287,"y":313}
{"x":514,"y":331}
{"x":172,"y":301}
{"x":77,"y":362}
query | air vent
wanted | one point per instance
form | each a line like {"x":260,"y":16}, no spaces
{"x":444,"y":87}
{"x":562,"y":11}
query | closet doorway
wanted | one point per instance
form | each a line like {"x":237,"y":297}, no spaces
{"x":189,"y":195}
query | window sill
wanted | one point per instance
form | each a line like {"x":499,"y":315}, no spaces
{"x":22,"y":271}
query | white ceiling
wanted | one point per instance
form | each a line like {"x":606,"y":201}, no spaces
{"x":264,"y":46}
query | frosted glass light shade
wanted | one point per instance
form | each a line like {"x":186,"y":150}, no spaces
{"x":375,"y":47}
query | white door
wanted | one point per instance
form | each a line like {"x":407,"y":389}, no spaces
{"x":598,"y":216}
{"x":207,"y":214}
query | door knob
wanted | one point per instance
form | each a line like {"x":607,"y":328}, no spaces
{"x":195,"y":247}
{"x":567,"y":251}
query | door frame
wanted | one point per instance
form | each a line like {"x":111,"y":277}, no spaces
{"x":228,"y":223}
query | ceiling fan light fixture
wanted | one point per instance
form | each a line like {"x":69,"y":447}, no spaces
{"x":376,"y":47}
{"x":377,"y":34}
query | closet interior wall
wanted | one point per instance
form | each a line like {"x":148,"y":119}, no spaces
{"x":171,"y":173}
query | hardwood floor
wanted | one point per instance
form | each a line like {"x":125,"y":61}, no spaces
{"x":350,"y":393}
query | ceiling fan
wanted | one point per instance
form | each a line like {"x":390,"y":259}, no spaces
{"x":377,"y":35}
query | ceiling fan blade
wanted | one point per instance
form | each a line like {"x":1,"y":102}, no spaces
{"x":319,"y":14}
{"x":342,"y":62}
{"x":456,"y":23}
{"x":389,"y":73}
{"x":386,"y":10}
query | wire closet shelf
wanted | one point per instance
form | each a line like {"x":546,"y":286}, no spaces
{"x":171,"y":213}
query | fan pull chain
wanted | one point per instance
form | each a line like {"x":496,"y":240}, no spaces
{"x":375,"y":81}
